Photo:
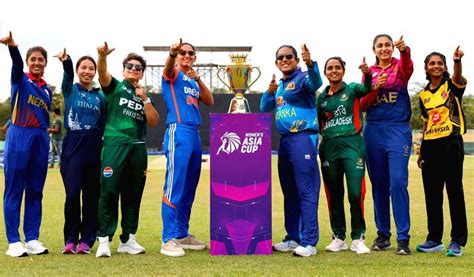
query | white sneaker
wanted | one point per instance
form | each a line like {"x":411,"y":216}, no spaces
{"x":131,"y":246}
{"x":17,"y":249}
{"x":104,"y":247}
{"x":358,"y":246}
{"x":304,"y":251}
{"x":336,"y":245}
{"x":172,"y":248}
{"x":35,"y":247}
{"x":286,"y":246}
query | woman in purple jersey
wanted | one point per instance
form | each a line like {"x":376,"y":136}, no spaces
{"x":388,"y":140}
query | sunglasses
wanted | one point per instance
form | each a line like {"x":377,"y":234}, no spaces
{"x":138,"y":67}
{"x":183,"y":53}
{"x":287,"y":56}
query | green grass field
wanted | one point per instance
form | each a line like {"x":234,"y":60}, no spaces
{"x":201,"y":263}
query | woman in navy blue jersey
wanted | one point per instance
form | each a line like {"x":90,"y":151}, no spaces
{"x":84,"y":120}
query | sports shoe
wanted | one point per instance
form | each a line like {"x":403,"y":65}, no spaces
{"x":69,"y":248}
{"x":304,"y":251}
{"x":454,"y":250}
{"x":286,"y":246}
{"x":35,"y":247}
{"x":104,"y":247}
{"x":381,"y":243}
{"x":358,"y":246}
{"x":336,"y":245}
{"x":190,"y":242}
{"x":403,"y":248}
{"x":17,"y":249}
{"x":430,"y":246}
{"x":83,"y":248}
{"x":131,"y":246}
{"x":172,"y":248}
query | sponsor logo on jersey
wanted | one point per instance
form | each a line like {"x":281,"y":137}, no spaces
{"x":231,"y":142}
{"x":426,"y":100}
{"x":444,"y":94}
{"x":108,"y":171}
{"x":291,"y":86}
{"x":436,"y":117}
{"x":360,"y":163}
{"x":280,"y":102}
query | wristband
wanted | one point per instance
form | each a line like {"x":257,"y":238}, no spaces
{"x":173,"y":56}
{"x":197,"y":80}
{"x":147,"y":101}
{"x":457,"y":61}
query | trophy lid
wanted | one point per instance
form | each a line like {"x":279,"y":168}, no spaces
{"x":238,"y":57}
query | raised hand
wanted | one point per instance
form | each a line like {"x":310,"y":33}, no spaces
{"x":193,"y":74}
{"x":458,"y":54}
{"x":8,"y":40}
{"x":381,"y":80}
{"x":62,"y":56}
{"x":400,"y":44}
{"x":175,"y":48}
{"x":273,"y":86}
{"x":104,"y":50}
{"x":364,"y":67}
{"x":306,"y":55}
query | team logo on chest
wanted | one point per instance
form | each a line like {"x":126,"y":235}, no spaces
{"x":343,"y":97}
{"x":291,"y":86}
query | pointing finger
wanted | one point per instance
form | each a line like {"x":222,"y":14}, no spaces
{"x":401,"y":37}
{"x":304,"y":48}
{"x":363,"y":60}
{"x":457,"y":49}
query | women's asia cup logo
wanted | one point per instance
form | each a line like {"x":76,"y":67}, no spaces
{"x":230,"y":143}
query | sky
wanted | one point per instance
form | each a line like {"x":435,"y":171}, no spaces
{"x":329,"y":28}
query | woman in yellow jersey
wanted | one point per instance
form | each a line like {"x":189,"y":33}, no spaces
{"x":442,"y":151}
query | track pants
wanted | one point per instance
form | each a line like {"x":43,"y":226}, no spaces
{"x":123,"y":174}
{"x":26,"y":165}
{"x":183,"y":169}
{"x":80,"y":170}
{"x":388,"y":149}
{"x":443,"y":164}
{"x":344,"y":156}
{"x":299,"y":179}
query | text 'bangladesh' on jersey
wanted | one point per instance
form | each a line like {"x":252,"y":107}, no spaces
{"x":340,"y":114}
{"x":126,"y":119}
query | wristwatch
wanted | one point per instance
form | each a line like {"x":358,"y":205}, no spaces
{"x":147,"y":101}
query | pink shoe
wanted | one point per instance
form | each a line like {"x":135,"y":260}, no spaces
{"x":69,"y":248}
{"x":83,"y":248}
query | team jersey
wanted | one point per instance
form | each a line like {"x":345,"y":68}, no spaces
{"x":441,"y":110}
{"x":30,"y":97}
{"x":126,"y":118}
{"x":181,"y":95}
{"x":392,"y":103}
{"x":340,"y":114}
{"x":85,"y":110}
{"x":295,"y":101}
{"x":57,"y":136}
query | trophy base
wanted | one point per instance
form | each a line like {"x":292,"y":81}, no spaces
{"x":239,"y":104}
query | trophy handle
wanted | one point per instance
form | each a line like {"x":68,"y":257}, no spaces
{"x":259,"y":73}
{"x":219,"y":77}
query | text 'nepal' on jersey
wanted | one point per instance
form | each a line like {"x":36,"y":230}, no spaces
{"x":340,"y":114}
{"x":392,"y":104}
{"x":295,"y":101}
{"x":181,"y":95}
{"x":126,"y":118}
{"x":30,"y":98}
{"x":441,"y":110}
{"x":85,"y":110}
